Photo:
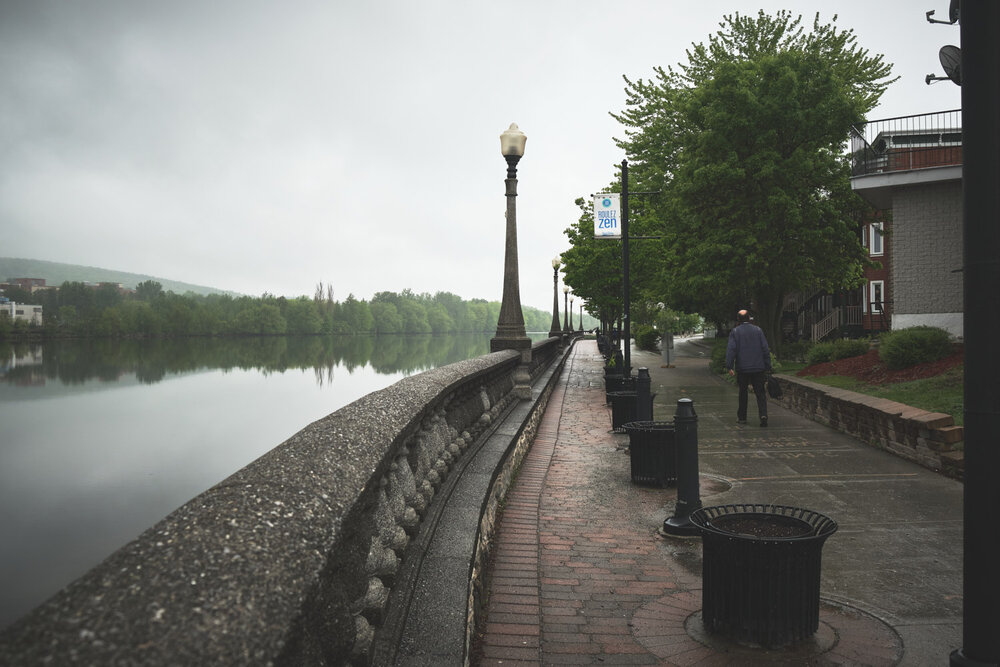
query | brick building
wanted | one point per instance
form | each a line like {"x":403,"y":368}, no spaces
{"x":911,"y":169}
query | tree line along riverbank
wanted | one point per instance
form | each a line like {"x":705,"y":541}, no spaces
{"x":75,"y":310}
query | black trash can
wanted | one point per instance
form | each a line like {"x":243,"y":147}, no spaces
{"x":761,"y":571}
{"x":623,"y":408}
{"x":652,"y":452}
{"x":613,"y":383}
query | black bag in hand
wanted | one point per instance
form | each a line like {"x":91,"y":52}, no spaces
{"x":773,"y":387}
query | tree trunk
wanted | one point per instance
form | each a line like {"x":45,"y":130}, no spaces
{"x":769,"y":310}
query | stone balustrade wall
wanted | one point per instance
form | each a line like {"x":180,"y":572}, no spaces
{"x":291,"y":559}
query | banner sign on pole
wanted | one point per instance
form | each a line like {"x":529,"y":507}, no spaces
{"x":607,"y":216}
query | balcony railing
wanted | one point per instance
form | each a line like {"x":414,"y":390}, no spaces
{"x":907,"y":142}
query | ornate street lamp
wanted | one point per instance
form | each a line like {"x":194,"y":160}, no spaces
{"x":581,"y":316}
{"x":566,"y":310}
{"x":571,"y":314}
{"x":510,"y":325}
{"x":554,"y":329}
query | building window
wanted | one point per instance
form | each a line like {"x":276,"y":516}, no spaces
{"x":876,"y":292}
{"x":875,"y":245}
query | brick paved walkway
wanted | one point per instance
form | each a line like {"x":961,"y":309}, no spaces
{"x":580,"y":576}
{"x":575,"y":557}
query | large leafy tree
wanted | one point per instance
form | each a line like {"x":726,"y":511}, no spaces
{"x":746,"y":142}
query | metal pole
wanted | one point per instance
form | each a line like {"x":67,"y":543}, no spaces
{"x":981,"y":230}
{"x":626,"y":296}
{"x":643,"y":396}
{"x":688,"y":486}
{"x":565,"y":311}
{"x":554,"y":329}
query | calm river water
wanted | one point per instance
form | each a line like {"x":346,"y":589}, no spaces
{"x":101,"y":439}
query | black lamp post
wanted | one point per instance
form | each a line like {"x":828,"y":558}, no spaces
{"x":571,"y":314}
{"x":554,"y":329}
{"x":510,"y":325}
{"x":566,"y":310}
{"x":581,"y":316}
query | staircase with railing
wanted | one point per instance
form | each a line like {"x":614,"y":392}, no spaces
{"x":839,"y":316}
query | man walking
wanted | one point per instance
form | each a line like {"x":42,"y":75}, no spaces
{"x":748,"y":353}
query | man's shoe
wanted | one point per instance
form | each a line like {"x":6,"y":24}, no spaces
{"x":763,"y":421}
{"x":741,"y":421}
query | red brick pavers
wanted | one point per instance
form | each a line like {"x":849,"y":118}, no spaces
{"x":580,"y":576}
{"x":576,"y":552}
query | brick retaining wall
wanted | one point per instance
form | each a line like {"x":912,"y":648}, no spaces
{"x":928,"y":438}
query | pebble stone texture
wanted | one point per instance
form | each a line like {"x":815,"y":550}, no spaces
{"x":580,"y":575}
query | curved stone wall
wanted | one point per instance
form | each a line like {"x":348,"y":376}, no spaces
{"x":291,"y":559}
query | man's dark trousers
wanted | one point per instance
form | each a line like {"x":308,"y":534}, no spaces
{"x":757,"y":380}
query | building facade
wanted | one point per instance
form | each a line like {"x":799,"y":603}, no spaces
{"x":21,"y":311}
{"x":911,"y":169}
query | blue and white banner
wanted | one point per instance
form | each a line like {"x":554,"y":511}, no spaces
{"x":607,"y":216}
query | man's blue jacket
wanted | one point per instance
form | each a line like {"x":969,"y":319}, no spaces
{"x":748,"y":350}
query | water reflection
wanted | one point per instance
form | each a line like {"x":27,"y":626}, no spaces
{"x":151,"y":361}
{"x":95,"y":446}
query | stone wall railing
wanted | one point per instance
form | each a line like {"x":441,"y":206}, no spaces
{"x":928,"y":438}
{"x":291,"y":559}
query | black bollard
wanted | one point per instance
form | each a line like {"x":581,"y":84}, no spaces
{"x":643,"y":397}
{"x":688,"y":489}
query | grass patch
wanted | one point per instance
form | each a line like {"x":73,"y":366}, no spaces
{"x":790,"y":367}
{"x":942,"y":393}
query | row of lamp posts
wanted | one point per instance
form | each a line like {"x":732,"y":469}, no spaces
{"x":567,"y":326}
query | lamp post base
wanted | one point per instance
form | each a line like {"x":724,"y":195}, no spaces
{"x":680,"y":526}
{"x":522,"y":377}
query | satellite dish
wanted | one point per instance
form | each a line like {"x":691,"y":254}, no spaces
{"x":951,"y":60}
{"x":953,"y":11}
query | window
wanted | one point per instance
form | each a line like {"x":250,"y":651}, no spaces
{"x":876,"y":292}
{"x":875,"y":245}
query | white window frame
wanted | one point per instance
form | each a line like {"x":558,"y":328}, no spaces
{"x":876,"y":242}
{"x":872,"y":286}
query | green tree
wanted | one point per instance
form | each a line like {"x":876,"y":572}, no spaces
{"x":148,"y":290}
{"x":357,"y":315}
{"x":262,"y":319}
{"x":414,"y":316}
{"x":746,"y":142}
{"x":438,"y":318}
{"x":386,"y":318}
{"x":303,"y":316}
{"x":457,"y":309}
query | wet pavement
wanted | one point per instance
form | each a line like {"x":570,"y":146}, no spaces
{"x":580,"y":573}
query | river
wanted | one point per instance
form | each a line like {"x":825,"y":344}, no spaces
{"x":101,"y":439}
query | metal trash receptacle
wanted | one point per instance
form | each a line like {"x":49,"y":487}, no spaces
{"x":761,"y":571}
{"x":614,"y":383}
{"x":624,"y":405}
{"x":652,"y":452}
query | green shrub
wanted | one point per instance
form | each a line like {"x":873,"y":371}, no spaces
{"x":717,"y":362}
{"x":819,"y":353}
{"x":915,"y":345}
{"x":796,"y":351}
{"x":842,"y":348}
{"x":646,"y":337}
{"x":850,"y":347}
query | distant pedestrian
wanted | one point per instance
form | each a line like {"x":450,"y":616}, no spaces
{"x":748,"y":354}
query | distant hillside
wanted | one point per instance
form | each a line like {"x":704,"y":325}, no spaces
{"x":56,"y":274}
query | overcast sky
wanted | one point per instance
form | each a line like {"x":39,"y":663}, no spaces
{"x":266,"y":146}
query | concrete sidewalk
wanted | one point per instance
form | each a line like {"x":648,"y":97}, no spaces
{"x":580,"y":574}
